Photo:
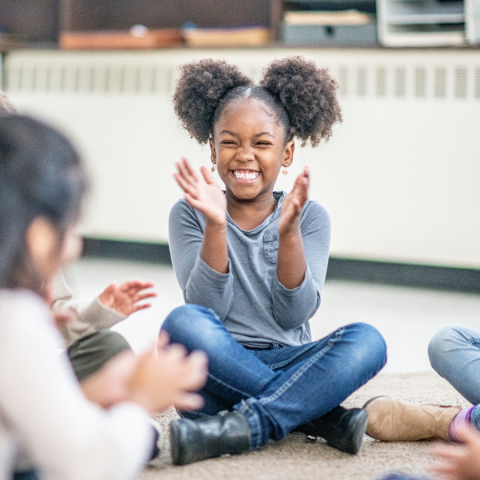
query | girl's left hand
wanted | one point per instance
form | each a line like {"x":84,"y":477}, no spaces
{"x":293,"y":204}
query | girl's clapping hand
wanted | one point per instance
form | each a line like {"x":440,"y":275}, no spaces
{"x":293,"y":204}
{"x":459,"y":462}
{"x":202,"y":192}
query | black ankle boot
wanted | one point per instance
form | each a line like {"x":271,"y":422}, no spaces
{"x":341,"y":428}
{"x":195,"y":440}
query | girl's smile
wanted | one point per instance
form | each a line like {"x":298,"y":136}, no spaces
{"x":245,"y":176}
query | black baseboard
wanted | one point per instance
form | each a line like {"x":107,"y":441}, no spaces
{"x":403,"y":274}
{"x":136,"y":251}
{"x":389,"y":273}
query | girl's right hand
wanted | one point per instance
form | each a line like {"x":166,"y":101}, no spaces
{"x":167,"y":376}
{"x":202,"y":193}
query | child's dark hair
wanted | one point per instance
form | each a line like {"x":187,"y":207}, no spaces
{"x":40,"y":176}
{"x":302,"y":96}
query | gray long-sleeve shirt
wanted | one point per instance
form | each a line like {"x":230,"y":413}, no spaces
{"x":254,"y":306}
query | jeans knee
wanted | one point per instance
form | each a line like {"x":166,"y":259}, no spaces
{"x":371,"y":343}
{"x":440,"y":344}
{"x":187,"y":322}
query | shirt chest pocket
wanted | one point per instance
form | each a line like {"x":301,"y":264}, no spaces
{"x":270,"y":247}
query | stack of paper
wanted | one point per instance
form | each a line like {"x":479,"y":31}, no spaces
{"x":346,"y":17}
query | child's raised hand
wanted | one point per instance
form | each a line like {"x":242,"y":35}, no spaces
{"x":293,"y":204}
{"x":202,"y":192}
{"x":125,"y":298}
{"x":459,"y":462}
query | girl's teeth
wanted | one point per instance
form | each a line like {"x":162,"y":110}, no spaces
{"x":246,"y":175}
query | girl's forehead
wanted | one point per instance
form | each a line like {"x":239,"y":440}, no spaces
{"x":250,"y":110}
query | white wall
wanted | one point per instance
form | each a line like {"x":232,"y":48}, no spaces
{"x":400,"y":177}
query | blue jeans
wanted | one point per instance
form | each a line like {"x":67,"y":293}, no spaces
{"x":280,"y":388}
{"x":454,"y":353}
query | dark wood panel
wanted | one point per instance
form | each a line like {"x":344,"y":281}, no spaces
{"x":85,"y":15}
{"x":122,"y":14}
{"x":36,"y":19}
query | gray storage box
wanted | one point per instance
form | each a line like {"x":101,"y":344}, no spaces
{"x":334,"y":35}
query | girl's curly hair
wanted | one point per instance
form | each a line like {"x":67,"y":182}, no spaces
{"x":302,"y":96}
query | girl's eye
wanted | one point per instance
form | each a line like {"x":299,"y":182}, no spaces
{"x":228,"y":142}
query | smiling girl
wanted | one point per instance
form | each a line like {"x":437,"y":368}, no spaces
{"x":254,"y":260}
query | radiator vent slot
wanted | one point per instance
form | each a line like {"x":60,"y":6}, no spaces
{"x":400,"y":82}
{"x":362,"y":82}
{"x":343,"y":80}
{"x":440,"y":89}
{"x":461,"y":76}
{"x":381,"y":82}
{"x":420,"y":82}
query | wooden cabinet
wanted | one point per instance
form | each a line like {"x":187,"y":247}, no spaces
{"x":32,"y":20}
{"x":43,"y":20}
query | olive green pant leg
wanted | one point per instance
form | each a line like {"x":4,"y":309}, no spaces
{"x":90,"y":353}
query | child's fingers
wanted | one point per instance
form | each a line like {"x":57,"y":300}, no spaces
{"x":448,"y":452}
{"x":176,"y":351}
{"x":143,"y":296}
{"x":467,"y":434}
{"x":136,"y":285}
{"x":143,"y":306}
{"x":185,"y":185}
{"x":179,"y":180}
{"x":197,"y":370}
{"x":188,"y":176}
{"x":193,"y":202}
{"x":163,"y":339}
{"x":444,"y":470}
{"x":188,"y":169}
{"x":188,"y":401}
{"x":207,"y":175}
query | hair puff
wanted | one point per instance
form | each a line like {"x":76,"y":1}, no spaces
{"x":199,"y":89}
{"x":308,"y":94}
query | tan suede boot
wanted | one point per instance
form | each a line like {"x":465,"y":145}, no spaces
{"x":396,"y":421}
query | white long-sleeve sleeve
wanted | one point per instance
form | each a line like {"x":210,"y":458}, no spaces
{"x":89,"y":315}
{"x":44,"y":413}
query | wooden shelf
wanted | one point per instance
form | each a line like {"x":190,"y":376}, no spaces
{"x":44,"y":20}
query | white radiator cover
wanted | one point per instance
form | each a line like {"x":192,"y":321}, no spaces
{"x":400,"y":177}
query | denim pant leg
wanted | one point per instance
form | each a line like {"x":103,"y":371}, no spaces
{"x":311,"y":386}
{"x":234,"y":372}
{"x":454,"y":353}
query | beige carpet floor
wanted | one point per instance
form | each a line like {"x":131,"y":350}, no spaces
{"x":294,"y":458}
